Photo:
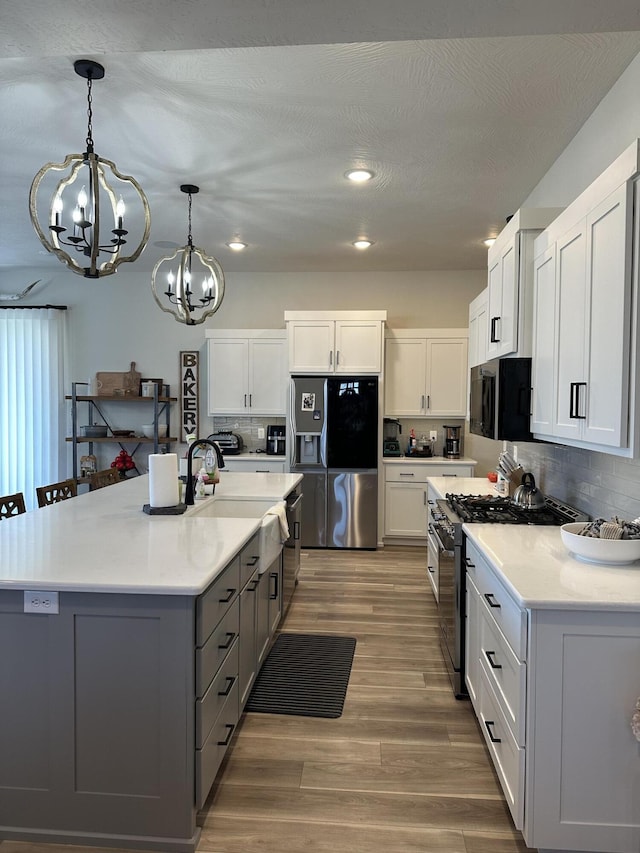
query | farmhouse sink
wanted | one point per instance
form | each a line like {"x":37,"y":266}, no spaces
{"x":270,"y":535}
{"x":215,"y":507}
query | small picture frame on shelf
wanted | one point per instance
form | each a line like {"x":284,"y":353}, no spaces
{"x":147,"y":389}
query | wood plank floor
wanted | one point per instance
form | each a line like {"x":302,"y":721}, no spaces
{"x":404,"y":770}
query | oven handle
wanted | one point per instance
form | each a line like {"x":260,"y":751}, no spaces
{"x":433,"y":529}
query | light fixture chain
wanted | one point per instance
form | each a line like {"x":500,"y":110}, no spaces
{"x":89,"y":115}
{"x":190,"y":241}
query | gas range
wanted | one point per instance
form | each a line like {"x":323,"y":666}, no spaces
{"x":457,"y":510}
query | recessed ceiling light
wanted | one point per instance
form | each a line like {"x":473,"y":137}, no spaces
{"x":236,"y":245}
{"x":360,"y":176}
{"x":489,"y":242}
{"x":362,"y":244}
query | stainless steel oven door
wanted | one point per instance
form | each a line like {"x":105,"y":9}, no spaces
{"x":451,"y":612}
{"x":433,"y":563}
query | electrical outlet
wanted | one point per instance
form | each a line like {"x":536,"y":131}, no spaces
{"x":433,"y":435}
{"x":260,"y":432}
{"x":40,"y":601}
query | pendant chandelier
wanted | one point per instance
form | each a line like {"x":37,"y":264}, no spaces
{"x":193,"y":284}
{"x":95,"y":193}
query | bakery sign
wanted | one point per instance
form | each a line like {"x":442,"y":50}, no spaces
{"x":188,"y":394}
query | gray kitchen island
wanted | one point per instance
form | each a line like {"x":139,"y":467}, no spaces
{"x":120,"y":693}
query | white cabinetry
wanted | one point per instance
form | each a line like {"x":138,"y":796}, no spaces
{"x":341,"y":342}
{"x":478,"y":328}
{"x":509,"y":318}
{"x":426,"y":373}
{"x":584,"y":784}
{"x":255,"y":464}
{"x":496,"y":672}
{"x":583,"y":367}
{"x":405,"y":494}
{"x":247,"y":372}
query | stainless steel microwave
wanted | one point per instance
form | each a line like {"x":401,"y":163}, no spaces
{"x":500,"y":399}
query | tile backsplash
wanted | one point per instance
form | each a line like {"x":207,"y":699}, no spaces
{"x":245,"y":427}
{"x":597,"y":483}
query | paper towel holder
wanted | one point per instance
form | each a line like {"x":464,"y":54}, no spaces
{"x":178,"y":509}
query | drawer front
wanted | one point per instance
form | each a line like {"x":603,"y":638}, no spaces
{"x":208,"y":708}
{"x":419,"y":473}
{"x":215,"y":601}
{"x":249,"y":559}
{"x":504,"y":610}
{"x":508,"y":758}
{"x":210,"y":657}
{"x":209,"y":758}
{"x":506,"y":674}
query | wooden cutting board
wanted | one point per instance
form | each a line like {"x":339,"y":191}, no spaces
{"x":129,"y":382}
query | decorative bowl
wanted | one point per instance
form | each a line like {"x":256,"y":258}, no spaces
{"x":616,"y":552}
{"x":147,"y":430}
{"x":94,"y":431}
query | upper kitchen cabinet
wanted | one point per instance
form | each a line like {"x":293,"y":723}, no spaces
{"x":510,"y":263}
{"x":426,"y":373}
{"x":478,"y":328}
{"x":326,"y":342}
{"x":246,"y":371}
{"x":585,"y":300}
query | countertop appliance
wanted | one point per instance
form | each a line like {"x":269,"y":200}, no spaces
{"x":276,"y":440}
{"x":446,"y":518}
{"x":452,"y":442}
{"x":334,"y":444}
{"x":229,"y":443}
{"x":500,"y":399}
{"x":391,"y":429}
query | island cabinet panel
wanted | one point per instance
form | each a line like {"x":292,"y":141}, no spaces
{"x":100,"y":689}
{"x":584,"y":783}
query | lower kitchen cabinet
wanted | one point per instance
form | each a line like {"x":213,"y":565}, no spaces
{"x":405,"y":494}
{"x":255,"y":464}
{"x":248,"y":658}
{"x":554,"y":692}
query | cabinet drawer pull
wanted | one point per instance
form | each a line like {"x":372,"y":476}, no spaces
{"x":490,"y":657}
{"x":425,"y":498}
{"x":492,"y":737}
{"x":250,"y":396}
{"x":254,"y":586}
{"x":231,"y":680}
{"x":226,"y":600}
{"x":469,"y":564}
{"x":274,"y":595}
{"x":229,"y":641}
{"x":491,"y":599}
{"x":574,"y":400}
{"x":494,"y":339}
{"x":330,"y":358}
{"x":253,"y":560}
{"x":337,"y":357}
{"x":422,"y":402}
{"x":407,"y":474}
{"x":225,"y":742}
{"x":245,"y":401}
{"x":430,"y":569}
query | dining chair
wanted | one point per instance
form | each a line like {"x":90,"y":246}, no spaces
{"x":12,"y":505}
{"x":56,"y":492}
{"x":100,"y":479}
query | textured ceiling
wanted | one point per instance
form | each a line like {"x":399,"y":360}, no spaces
{"x":265,"y":109}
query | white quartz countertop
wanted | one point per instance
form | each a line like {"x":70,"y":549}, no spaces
{"x":102,"y":541}
{"x":536,"y":567}
{"x":427,"y":460}
{"x":542,"y":574}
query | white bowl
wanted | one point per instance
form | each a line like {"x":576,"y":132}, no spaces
{"x":147,"y":430}
{"x":618,"y":552}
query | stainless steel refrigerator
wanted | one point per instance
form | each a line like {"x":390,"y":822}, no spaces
{"x":334,"y":444}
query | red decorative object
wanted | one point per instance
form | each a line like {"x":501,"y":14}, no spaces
{"x":123,"y":463}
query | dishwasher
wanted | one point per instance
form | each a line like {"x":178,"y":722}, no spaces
{"x":291,"y":550}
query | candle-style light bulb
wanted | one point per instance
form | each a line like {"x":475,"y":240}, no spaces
{"x":82,"y":198}
{"x":170,"y":280}
{"x":57,"y":210}
{"x":120,"y":209}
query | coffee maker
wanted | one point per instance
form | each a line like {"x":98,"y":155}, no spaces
{"x":390,"y":442}
{"x":276,"y":440}
{"x":452,"y":442}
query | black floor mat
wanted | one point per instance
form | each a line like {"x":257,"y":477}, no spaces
{"x":304,"y":674}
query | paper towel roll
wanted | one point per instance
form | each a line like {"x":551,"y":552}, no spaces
{"x":163,"y":479}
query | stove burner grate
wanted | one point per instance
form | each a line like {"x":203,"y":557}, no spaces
{"x":495,"y":509}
